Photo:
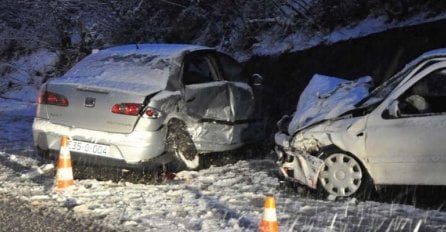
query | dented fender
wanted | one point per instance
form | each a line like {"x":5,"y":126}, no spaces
{"x":303,"y":168}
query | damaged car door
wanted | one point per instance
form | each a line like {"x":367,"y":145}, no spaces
{"x":405,"y":136}
{"x":221,"y":108}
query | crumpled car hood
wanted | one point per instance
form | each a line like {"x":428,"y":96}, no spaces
{"x":326,"y":98}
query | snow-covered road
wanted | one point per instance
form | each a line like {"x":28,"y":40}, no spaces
{"x":219,"y":198}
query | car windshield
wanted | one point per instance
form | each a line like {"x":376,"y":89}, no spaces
{"x":383,"y":90}
{"x":380,"y":92}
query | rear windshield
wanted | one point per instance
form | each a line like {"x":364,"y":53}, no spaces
{"x":133,"y":72}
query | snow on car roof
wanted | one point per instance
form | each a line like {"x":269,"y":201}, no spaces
{"x":435,"y":52}
{"x":139,"y":69}
{"x":157,"y":49}
{"x":427,"y":55}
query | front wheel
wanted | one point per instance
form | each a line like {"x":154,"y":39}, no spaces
{"x":342,"y":175}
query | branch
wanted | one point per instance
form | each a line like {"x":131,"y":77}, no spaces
{"x":266,"y":20}
{"x":174,"y":3}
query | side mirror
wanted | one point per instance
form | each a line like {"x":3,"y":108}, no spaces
{"x":283,"y":123}
{"x":393,"y":109}
{"x":256,"y":79}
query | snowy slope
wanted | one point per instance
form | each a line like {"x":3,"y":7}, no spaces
{"x":272,"y":44}
{"x":226,"y":198}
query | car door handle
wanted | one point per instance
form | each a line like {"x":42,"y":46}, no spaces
{"x":360,"y":134}
{"x":191,"y":99}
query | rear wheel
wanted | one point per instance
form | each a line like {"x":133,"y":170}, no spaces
{"x":342,"y":175}
{"x":181,"y":144}
{"x":46,"y":154}
{"x":43,"y":153}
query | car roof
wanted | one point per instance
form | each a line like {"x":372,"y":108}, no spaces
{"x":441,"y":52}
{"x":157,"y":49}
{"x":437,"y":54}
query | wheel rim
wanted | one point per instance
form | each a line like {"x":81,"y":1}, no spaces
{"x":188,"y":155}
{"x":341,"y":175}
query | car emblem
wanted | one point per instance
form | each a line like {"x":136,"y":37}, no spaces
{"x":89,"y":102}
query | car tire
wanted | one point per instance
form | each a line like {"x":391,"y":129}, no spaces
{"x":46,"y":154}
{"x":180,"y":142}
{"x":342,"y":175}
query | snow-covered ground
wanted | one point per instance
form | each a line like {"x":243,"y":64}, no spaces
{"x":223,"y":198}
{"x":218,"y":198}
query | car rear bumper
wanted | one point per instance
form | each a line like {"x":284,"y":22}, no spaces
{"x":93,"y":160}
{"x":133,"y":149}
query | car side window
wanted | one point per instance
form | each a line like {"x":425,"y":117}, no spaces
{"x":426,"y":96}
{"x":197,"y":70}
{"x":230,"y":68}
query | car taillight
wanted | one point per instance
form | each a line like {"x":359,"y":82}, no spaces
{"x":126,"y":108}
{"x":134,"y":109}
{"x":50,"y":98}
{"x":152,"y":113}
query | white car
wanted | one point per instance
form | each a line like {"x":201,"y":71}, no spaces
{"x":344,"y":140}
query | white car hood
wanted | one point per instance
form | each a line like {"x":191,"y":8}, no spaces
{"x":327,"y":98}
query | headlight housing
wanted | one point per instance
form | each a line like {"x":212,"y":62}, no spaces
{"x":305,"y":144}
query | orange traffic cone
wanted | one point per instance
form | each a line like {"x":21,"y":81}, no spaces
{"x":269,"y":221}
{"x":64,"y":176}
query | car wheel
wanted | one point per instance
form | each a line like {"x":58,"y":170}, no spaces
{"x":342,"y":175}
{"x":181,"y":144}
{"x":46,"y":154}
{"x":43,"y":153}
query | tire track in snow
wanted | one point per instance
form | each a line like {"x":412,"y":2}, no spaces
{"x":225,"y":212}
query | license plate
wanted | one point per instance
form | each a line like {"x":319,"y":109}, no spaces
{"x":89,"y":148}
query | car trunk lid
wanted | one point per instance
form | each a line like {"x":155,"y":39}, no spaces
{"x":91,"y":108}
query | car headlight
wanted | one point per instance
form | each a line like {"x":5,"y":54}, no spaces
{"x":305,"y":144}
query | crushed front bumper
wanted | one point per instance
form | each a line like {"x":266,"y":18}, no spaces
{"x":297,"y":166}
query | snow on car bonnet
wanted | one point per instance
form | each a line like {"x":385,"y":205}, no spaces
{"x":140,"y":70}
{"x":327,"y":98}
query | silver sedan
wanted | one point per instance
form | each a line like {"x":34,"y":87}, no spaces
{"x":137,"y":105}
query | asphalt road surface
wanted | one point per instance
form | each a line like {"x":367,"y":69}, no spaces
{"x":15,"y":215}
